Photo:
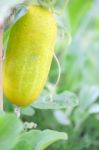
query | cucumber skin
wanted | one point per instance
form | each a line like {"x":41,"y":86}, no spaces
{"x":29,"y":55}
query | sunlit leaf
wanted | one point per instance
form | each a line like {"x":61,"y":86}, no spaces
{"x":10,"y":2}
{"x":10,"y":127}
{"x":94,"y":108}
{"x":88,"y":95}
{"x":57,"y":101}
{"x":39,"y":140}
{"x":28,"y":111}
{"x":77,"y":10}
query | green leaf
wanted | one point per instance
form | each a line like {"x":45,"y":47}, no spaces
{"x":6,"y":8}
{"x":88,"y":95}
{"x":87,"y":99}
{"x":8,"y":107}
{"x":77,"y":10}
{"x":39,"y":140}
{"x":57,"y":101}
{"x":94,"y":109}
{"x":2,"y":112}
{"x":28,"y":111}
{"x":10,"y":127}
{"x":10,"y":3}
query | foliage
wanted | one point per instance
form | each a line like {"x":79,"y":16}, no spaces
{"x":79,"y":74}
{"x":12,"y":136}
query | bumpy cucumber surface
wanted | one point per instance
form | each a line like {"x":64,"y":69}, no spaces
{"x":29,"y":55}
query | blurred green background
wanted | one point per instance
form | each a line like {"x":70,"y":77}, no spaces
{"x":80,"y":74}
{"x":79,"y":60}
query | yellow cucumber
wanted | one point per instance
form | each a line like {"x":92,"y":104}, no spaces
{"x":28,"y":56}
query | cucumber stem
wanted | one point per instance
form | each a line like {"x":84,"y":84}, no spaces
{"x":1,"y":63}
{"x":17,"y":111}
